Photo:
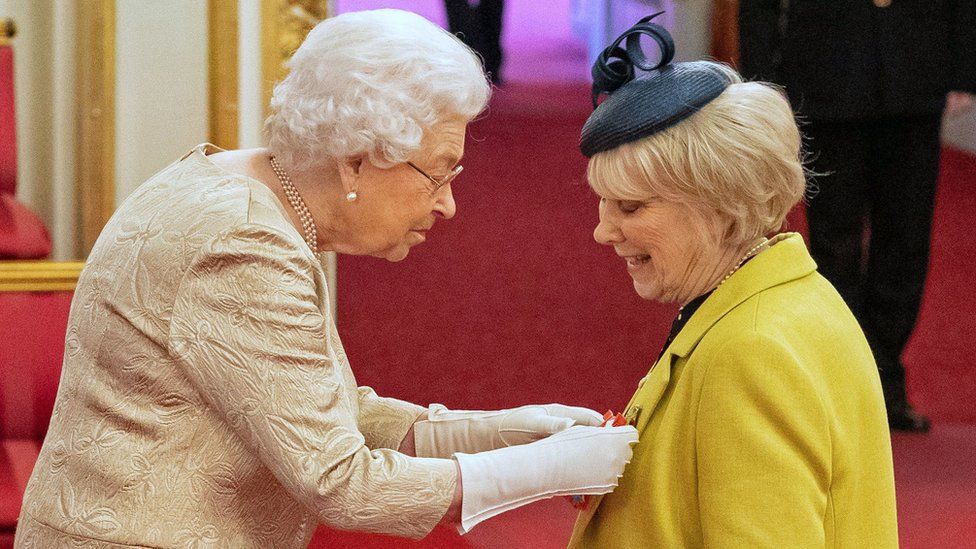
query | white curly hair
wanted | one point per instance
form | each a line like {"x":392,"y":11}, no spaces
{"x":370,"y":83}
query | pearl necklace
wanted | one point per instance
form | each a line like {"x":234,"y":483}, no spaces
{"x":752,"y":252}
{"x":755,"y":250}
{"x":297,"y":204}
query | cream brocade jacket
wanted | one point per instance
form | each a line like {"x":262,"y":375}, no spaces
{"x":205,"y":399}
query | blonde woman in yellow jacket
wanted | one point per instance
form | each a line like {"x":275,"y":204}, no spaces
{"x":762,"y":423}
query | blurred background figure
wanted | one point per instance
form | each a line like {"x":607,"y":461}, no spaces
{"x":873,"y":80}
{"x":478,"y":23}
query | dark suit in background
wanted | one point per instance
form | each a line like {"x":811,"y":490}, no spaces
{"x":479,"y":25}
{"x":871,"y":78}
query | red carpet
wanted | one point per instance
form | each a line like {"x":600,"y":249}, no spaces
{"x":935,"y":476}
{"x":512,"y":302}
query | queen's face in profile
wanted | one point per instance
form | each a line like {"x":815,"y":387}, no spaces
{"x":395,"y":207}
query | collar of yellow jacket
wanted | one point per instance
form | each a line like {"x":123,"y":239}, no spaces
{"x":787,"y":260}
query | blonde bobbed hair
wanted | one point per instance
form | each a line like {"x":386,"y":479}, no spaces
{"x":737,"y":162}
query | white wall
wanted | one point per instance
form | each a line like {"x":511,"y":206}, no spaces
{"x":251,"y":101}
{"x":161,"y":86}
{"x":161,"y":99}
{"x":64,"y":209}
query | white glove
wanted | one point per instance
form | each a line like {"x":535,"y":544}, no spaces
{"x":579,"y":460}
{"x":446,"y":432}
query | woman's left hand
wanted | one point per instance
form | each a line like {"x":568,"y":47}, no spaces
{"x":442,"y":432}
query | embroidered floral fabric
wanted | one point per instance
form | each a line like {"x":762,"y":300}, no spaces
{"x":205,"y":398}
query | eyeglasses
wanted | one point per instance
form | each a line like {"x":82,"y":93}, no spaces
{"x":438,"y":183}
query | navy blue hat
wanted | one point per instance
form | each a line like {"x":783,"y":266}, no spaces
{"x":640,"y":106}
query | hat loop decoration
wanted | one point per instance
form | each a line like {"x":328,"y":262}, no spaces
{"x":614,"y":66}
{"x":641,"y":105}
{"x":611,"y":70}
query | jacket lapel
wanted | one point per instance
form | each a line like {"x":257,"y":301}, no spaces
{"x":649,"y":392}
{"x":786,"y":260}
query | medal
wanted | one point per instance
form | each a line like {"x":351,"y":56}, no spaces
{"x":610,"y":419}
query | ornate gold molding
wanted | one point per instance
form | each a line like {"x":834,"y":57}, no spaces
{"x":7,"y":30}
{"x":223,"y":56}
{"x":284,"y":25}
{"x":96,"y":118}
{"x":39,"y":276}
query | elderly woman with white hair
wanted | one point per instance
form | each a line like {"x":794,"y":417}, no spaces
{"x":762,"y":420}
{"x":206,"y":400}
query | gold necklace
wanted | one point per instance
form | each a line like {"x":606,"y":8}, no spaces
{"x":752,"y":252}
{"x":297,"y":204}
{"x":755,"y":250}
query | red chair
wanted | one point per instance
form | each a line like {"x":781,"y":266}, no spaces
{"x":22,"y":234}
{"x":35,"y":297}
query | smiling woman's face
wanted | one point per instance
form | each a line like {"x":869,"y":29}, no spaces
{"x":662,"y":244}
{"x":397,"y":206}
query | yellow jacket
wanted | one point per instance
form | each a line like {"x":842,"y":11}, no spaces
{"x":763,"y":425}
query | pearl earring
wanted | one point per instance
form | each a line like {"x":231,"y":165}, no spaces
{"x":352,"y":196}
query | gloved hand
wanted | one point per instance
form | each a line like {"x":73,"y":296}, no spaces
{"x":578,"y":460}
{"x":445,"y":432}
